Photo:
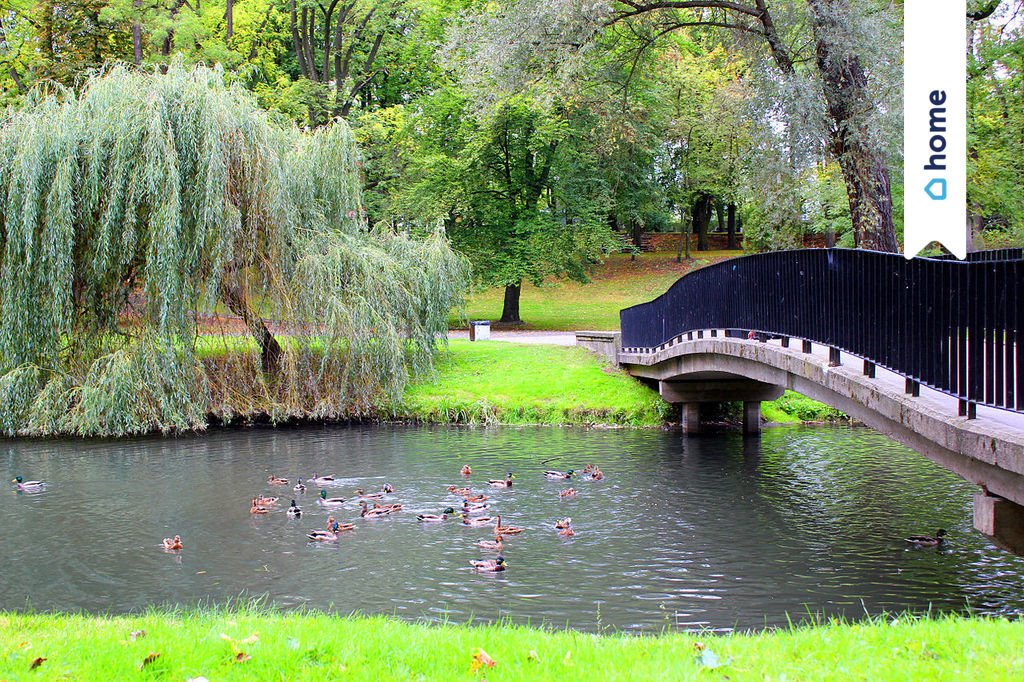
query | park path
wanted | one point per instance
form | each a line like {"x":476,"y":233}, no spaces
{"x":544,"y":337}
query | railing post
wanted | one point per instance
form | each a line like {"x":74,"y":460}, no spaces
{"x":785,"y":342}
{"x":869,"y":369}
{"x":807,"y":346}
{"x":833,"y":357}
{"x":967,"y":408}
{"x":912,"y":388}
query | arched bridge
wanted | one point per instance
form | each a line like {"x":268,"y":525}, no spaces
{"x":927,"y":351}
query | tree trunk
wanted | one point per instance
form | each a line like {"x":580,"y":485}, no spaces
{"x":137,"y":35}
{"x":701,"y":217}
{"x":235,"y":299}
{"x":510,"y":311}
{"x":733,"y":242}
{"x":720,"y":212}
{"x":638,"y":238}
{"x":229,"y":16}
{"x":846,"y":94}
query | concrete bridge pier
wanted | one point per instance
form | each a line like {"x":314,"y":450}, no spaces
{"x":1001,"y":520}
{"x":717,"y":389}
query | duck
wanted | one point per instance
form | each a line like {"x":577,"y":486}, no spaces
{"x":589,"y":468}
{"x":477,"y":522}
{"x":568,"y":492}
{"x":928,"y":540}
{"x":506,"y":530}
{"x":476,"y":498}
{"x":294,"y":511}
{"x":489,"y":565}
{"x":563,"y":523}
{"x":368,"y":496}
{"x":328,"y":535}
{"x":173,"y":543}
{"x":257,"y":508}
{"x":461,"y":492}
{"x":387,"y":488}
{"x":507,"y":483}
{"x":329,"y":502}
{"x":377,"y":512}
{"x":559,"y":474}
{"x":27,"y":486}
{"x":276,"y":480}
{"x":470,"y":507}
{"x":299,"y":487}
{"x":267,"y":501}
{"x":466,"y":470}
{"x":596,"y":475}
{"x":428,"y":518}
{"x":567,"y":532}
{"x":495,"y":544}
{"x":322,"y":480}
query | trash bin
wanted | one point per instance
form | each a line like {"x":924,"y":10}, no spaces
{"x":480,"y":330}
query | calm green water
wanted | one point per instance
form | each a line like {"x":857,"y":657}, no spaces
{"x":713,"y":532}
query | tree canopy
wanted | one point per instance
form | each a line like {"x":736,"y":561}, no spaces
{"x":135,"y":206}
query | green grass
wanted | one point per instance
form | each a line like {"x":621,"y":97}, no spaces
{"x":508,"y":383}
{"x":615,"y":284}
{"x":244,"y":645}
{"x":794,"y":408}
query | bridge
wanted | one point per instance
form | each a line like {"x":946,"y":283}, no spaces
{"x":926,"y":351}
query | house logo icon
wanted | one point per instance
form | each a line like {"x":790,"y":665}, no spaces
{"x":936,"y":189}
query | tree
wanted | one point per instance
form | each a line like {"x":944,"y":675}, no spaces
{"x":521,"y":37}
{"x":517,"y":189}
{"x":130,"y":209}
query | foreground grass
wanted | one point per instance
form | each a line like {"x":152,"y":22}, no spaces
{"x":508,"y":383}
{"x":264,"y":646}
{"x":617,"y":283}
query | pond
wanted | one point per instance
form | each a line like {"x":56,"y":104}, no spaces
{"x":715,"y":532}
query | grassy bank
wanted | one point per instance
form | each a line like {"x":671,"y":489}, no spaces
{"x":617,"y":283}
{"x":793,"y":408}
{"x":243,"y":645}
{"x":494,"y":382}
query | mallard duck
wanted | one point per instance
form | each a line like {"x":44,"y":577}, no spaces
{"x":466,"y":471}
{"x":329,"y":535}
{"x":476,"y":498}
{"x":294,"y":511}
{"x":267,"y":501}
{"x":173,"y":543}
{"x":568,"y":492}
{"x":276,"y":480}
{"x":563,"y":523}
{"x":559,"y":474}
{"x":257,"y":508}
{"x":434,"y":517}
{"x":387,"y":488}
{"x":368,"y":496}
{"x":567,"y":532}
{"x":928,"y":540}
{"x":329,"y":502}
{"x":495,"y":544}
{"x":461,"y":492}
{"x":506,"y":530}
{"x":27,"y":486}
{"x":596,"y":475}
{"x":489,"y":565}
{"x":377,"y":512}
{"x":322,"y":480}
{"x":587,"y":469}
{"x":477,"y":522}
{"x":472,"y":507}
{"x":507,"y":483}
{"x":299,"y":487}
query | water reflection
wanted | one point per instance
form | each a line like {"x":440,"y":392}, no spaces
{"x":711,"y":532}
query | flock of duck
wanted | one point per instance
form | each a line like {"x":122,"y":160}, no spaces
{"x":473,"y":511}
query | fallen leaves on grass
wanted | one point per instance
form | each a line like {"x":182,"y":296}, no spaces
{"x":137,"y":634}
{"x":481,"y":660}
{"x":36,"y":663}
{"x":242,"y":657}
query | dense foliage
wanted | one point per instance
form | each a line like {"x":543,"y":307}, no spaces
{"x":130,"y":209}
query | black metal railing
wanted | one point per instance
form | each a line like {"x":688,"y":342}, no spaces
{"x":952,"y":325}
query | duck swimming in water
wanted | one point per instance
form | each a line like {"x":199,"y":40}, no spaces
{"x":461,"y":492}
{"x":257,"y":508}
{"x":267,"y":501}
{"x":27,"y":486}
{"x":294,"y":511}
{"x":322,"y":480}
{"x":558,"y":474}
{"x":477,"y":522}
{"x":428,"y":518}
{"x":299,"y":487}
{"x":928,"y":540}
{"x":496,"y":544}
{"x":489,"y":565}
{"x":377,"y":512}
{"x":568,"y":492}
{"x":507,"y":483}
{"x":563,"y":523}
{"x":276,"y":480}
{"x":173,"y":543}
{"x":466,"y":471}
{"x":506,"y":530}
{"x":473,"y":507}
{"x":329,"y":502}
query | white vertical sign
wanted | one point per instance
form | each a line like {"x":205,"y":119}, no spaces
{"x":935,"y":125}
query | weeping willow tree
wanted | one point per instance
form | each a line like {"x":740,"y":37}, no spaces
{"x":133,"y":208}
